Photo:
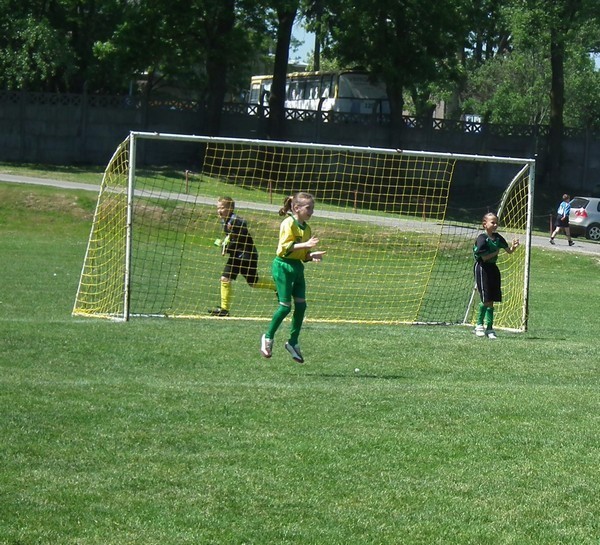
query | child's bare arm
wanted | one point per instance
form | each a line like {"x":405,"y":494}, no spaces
{"x":310,"y":243}
{"x":317,"y":256}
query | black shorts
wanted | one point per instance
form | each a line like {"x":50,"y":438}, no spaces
{"x":561,"y":222}
{"x":245,"y":264}
{"x":488,"y":281}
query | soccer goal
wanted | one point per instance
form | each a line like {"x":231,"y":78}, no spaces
{"x":398,"y":227}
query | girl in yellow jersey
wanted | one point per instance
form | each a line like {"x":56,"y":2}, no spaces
{"x":295,"y":247}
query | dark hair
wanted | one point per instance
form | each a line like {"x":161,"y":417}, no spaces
{"x":287,"y":206}
{"x":489,"y":215}
{"x":294,"y":200}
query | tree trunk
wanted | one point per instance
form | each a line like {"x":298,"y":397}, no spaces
{"x":217,"y":65}
{"x":217,"y":87}
{"x":317,"y":52}
{"x":557,"y":102}
{"x":276,"y":123}
{"x":318,"y":35}
{"x":395,"y":96}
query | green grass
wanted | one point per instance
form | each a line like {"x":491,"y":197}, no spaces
{"x":177,"y":432}
{"x":86,"y":174}
{"x":467,"y":208}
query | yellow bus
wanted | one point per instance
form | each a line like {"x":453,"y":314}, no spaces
{"x":341,"y":91}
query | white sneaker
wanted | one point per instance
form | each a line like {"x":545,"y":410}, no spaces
{"x":491,"y":334}
{"x":266,"y":346}
{"x":479,"y":331}
{"x":295,"y":352}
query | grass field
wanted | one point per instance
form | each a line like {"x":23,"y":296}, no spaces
{"x":178,"y":432}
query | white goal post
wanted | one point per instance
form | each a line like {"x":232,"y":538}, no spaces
{"x":398,"y":227}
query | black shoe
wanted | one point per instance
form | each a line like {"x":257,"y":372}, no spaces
{"x":551,"y":241}
{"x":218,"y":312}
{"x":571,"y":243}
{"x":295,"y":352}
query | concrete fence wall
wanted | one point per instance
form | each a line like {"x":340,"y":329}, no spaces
{"x":86,"y":129}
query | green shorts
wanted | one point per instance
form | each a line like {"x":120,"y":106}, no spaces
{"x":289,"y":279}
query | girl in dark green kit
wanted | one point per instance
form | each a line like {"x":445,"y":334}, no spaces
{"x":487,"y":275}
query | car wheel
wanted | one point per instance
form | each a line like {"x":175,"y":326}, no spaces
{"x":593,"y":232}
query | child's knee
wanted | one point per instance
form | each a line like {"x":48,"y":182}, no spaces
{"x":285,"y":308}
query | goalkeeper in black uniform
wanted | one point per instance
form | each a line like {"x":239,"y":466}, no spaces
{"x":243,"y":255}
{"x":487,"y":275}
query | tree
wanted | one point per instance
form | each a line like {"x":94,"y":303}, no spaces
{"x":510,"y":89}
{"x":312,"y":12}
{"x":558,"y":27}
{"x":48,"y":45}
{"x":285,"y":11}
{"x":195,"y":46}
{"x":408,"y":45}
{"x":32,"y":54}
{"x":582,"y":89}
{"x":487,"y":37}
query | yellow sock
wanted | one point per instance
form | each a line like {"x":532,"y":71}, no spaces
{"x":262,"y":284}
{"x":226,"y":290}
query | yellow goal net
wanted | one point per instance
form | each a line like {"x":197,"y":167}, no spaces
{"x":398,"y":228}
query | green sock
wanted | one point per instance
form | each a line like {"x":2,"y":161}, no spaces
{"x":489,"y":318}
{"x":481,"y":314}
{"x":297,"y":319}
{"x":280,"y":314}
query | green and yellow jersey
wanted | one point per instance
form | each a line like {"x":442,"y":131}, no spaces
{"x":292,"y":232}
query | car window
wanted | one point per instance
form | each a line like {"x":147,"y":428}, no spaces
{"x":579,"y":202}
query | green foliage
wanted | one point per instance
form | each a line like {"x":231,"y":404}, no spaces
{"x":408,"y":45}
{"x":516,"y":84}
{"x":32,"y":53}
{"x":48,"y":45}
{"x":69,"y":44}
{"x":327,"y":63}
{"x":582,"y":89}
{"x":423,"y":50}
{"x":177,"y":60}
{"x":511,"y":89}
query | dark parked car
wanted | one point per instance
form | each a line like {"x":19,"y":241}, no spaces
{"x":584,"y":218}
